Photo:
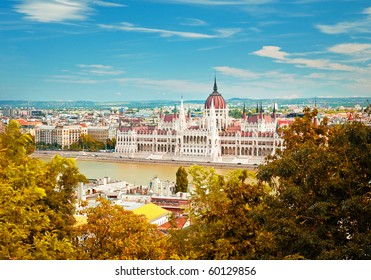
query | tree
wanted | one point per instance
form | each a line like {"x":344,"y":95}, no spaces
{"x":235,"y":113}
{"x":111,"y":144}
{"x":34,"y":196}
{"x":111,"y":232}
{"x":87,"y":142}
{"x":59,"y":180}
{"x":181,"y":184}
{"x":224,"y":212}
{"x":321,"y":208}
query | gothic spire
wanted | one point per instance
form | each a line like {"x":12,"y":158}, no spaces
{"x":215,"y":85}
{"x":244,"y":112}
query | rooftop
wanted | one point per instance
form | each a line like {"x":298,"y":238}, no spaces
{"x":151,"y":211}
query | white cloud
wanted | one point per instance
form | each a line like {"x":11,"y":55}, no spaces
{"x":220,"y":2}
{"x":71,"y":79}
{"x":53,"y":10}
{"x":283,"y":57}
{"x":351,"y":48}
{"x":59,"y":10}
{"x":358,"y":26}
{"x":96,"y":66}
{"x":367,"y":11}
{"x":168,"y":87}
{"x":220,"y":33}
{"x":237,"y":72}
{"x":98,"y":69}
{"x":108,"y":4}
{"x":87,"y":74}
{"x":345,"y":27}
{"x":193,"y":22}
{"x":226,"y":32}
{"x":324,"y":64}
{"x":266,"y":79}
{"x":271,"y":51}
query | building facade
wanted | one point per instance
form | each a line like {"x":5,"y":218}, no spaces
{"x":215,"y":137}
{"x":64,"y":136}
{"x":99,"y":133}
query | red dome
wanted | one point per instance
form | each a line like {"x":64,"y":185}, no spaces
{"x":216,"y":98}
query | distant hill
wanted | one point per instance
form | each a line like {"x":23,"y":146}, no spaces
{"x":321,"y":102}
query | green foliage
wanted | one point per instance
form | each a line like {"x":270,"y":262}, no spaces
{"x":59,"y":181}
{"x":111,"y":232}
{"x":235,"y":113}
{"x":321,"y":208}
{"x":111,"y":144}
{"x":224,"y":213}
{"x":36,"y":202}
{"x":87,"y":143}
{"x":15,"y":145}
{"x":181,"y":184}
{"x":45,"y":146}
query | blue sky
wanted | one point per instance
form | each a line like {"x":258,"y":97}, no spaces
{"x":119,"y":50}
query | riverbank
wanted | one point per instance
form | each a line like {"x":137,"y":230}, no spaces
{"x":114,"y":158}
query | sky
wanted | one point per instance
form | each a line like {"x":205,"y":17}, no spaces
{"x":123,"y":50}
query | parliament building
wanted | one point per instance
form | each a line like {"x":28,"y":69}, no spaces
{"x":214,"y":137}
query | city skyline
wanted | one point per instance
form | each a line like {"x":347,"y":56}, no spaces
{"x":158,"y":50}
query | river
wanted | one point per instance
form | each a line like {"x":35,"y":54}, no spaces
{"x":136,"y":173}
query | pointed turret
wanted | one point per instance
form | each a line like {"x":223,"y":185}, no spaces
{"x":244,"y":111}
{"x":212,"y":120}
{"x":261,"y":110}
{"x":215,"y":85}
{"x":182,"y":118}
{"x":274,"y":116}
{"x":174,"y":112}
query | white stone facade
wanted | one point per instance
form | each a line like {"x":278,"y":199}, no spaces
{"x":211,"y":138}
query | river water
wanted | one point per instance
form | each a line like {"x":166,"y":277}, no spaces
{"x":136,"y":173}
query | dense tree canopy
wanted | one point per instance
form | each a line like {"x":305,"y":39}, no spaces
{"x":111,"y":232}
{"x":37,"y":206}
{"x":181,"y":184}
{"x":36,"y":202}
{"x":224,"y":212}
{"x":322,"y":181}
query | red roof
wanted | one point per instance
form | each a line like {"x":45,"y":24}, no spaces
{"x":284,"y":121}
{"x":23,"y":122}
{"x":233,"y":129}
{"x":255,"y":118}
{"x":217,"y":99}
{"x":179,"y":223}
{"x":170,"y":118}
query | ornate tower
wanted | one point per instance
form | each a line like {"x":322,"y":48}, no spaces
{"x":220,"y":107}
